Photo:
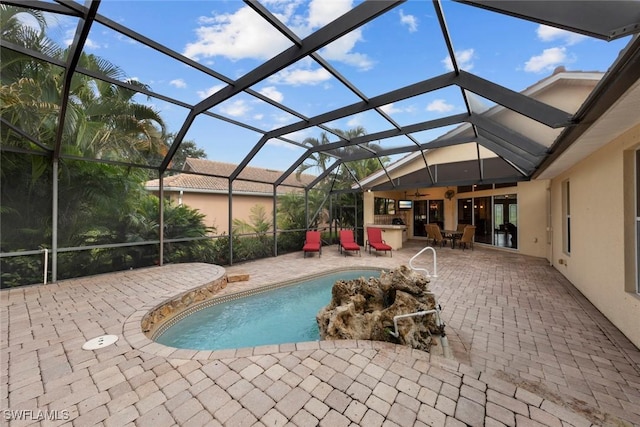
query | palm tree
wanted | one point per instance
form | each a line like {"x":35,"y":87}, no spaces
{"x":102,"y":121}
{"x":317,"y":159}
{"x":360,"y":168}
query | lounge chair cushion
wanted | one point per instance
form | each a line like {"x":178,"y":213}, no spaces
{"x":311,"y":247}
{"x":350,"y":246}
{"x":380,"y":246}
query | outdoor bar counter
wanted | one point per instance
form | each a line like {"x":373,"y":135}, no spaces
{"x":393,"y":235}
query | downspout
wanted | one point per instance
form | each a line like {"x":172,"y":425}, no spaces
{"x":549,"y":227}
{"x":54,"y":222}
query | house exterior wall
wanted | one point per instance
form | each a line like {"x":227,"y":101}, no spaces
{"x":600,"y":265}
{"x":215,"y":207}
{"x":533,"y":208}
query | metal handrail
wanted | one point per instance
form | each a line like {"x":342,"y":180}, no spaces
{"x":435,"y":273}
{"x":395,"y":332}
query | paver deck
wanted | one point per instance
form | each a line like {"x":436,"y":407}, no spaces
{"x":528,"y":350}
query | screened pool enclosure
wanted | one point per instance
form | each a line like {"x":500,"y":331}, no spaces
{"x":100,"y":98}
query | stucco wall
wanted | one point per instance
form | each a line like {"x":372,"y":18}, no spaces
{"x":532,"y":218}
{"x":596,"y":264}
{"x":216,"y":207}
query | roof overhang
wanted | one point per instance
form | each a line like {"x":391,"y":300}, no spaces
{"x":611,"y":109}
{"x":514,"y":156}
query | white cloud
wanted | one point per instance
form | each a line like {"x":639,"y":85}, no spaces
{"x":243,"y":34}
{"x":548,"y":60}
{"x":179,"y":83}
{"x":410,"y":21}
{"x":272,"y":93}
{"x":207,"y":93}
{"x":52,"y":21}
{"x":236,"y":108}
{"x":282,"y":119}
{"x":321,"y":12}
{"x":550,"y":34}
{"x":89,"y":44}
{"x":440,"y":106}
{"x":464,"y":58}
{"x":355,"y":121}
{"x":341,"y":50}
{"x":391,"y":109}
{"x":297,"y":77}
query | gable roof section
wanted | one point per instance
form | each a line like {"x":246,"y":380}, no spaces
{"x":209,"y":176}
{"x":510,"y":146}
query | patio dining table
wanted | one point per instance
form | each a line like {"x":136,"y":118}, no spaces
{"x":452,"y":235}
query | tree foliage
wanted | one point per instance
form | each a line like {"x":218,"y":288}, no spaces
{"x":97,"y":203}
{"x":345,"y":175}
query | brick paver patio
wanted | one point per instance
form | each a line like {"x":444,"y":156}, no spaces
{"x":528,"y":350}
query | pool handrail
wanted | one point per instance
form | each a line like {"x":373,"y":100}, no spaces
{"x":426,"y":272}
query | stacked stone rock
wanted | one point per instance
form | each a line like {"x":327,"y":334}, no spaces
{"x":363,"y":309}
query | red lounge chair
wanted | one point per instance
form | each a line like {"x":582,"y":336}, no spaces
{"x":313,"y":243}
{"x":348,"y":243}
{"x":375,"y":241}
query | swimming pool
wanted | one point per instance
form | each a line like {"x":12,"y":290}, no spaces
{"x":276,"y":316}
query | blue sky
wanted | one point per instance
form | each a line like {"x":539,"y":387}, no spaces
{"x":402,"y":47}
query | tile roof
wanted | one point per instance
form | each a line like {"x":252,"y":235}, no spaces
{"x":218,"y":183}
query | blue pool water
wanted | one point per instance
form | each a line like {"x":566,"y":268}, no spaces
{"x":279,"y":316}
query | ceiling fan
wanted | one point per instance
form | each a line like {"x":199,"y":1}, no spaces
{"x":416,"y":194}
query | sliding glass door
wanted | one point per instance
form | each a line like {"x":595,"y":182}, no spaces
{"x":483,"y":219}
{"x":505,"y":208}
{"x":495,"y":218}
{"x":427,"y":212}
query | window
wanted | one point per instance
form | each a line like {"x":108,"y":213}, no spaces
{"x":384,"y":206}
{"x":436,"y":212}
{"x":566,"y":216}
{"x":498,"y":215}
{"x":513,"y":214}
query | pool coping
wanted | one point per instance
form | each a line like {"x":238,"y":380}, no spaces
{"x":133,"y":332}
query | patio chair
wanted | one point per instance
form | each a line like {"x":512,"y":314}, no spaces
{"x":467,"y":237}
{"x":429,"y":231}
{"x":312,"y":243}
{"x":461,"y":227}
{"x":434,"y":235}
{"x":375,"y":241}
{"x":348,"y":242}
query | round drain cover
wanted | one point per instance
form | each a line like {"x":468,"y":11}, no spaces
{"x":99,"y":342}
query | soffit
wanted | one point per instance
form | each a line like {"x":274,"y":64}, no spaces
{"x":619,"y":118}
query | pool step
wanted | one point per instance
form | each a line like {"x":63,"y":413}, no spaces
{"x":237,"y":277}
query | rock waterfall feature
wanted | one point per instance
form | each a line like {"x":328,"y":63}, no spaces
{"x":364,"y":308}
